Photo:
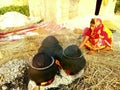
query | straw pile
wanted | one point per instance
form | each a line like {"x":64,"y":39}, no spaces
{"x":102,"y":71}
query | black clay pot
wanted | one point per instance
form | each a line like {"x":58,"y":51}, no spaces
{"x":49,"y":41}
{"x":73,"y":59}
{"x":51,"y":47}
{"x":42,"y":68}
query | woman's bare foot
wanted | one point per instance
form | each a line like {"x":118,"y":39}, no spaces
{"x":91,"y":52}
{"x":106,"y":48}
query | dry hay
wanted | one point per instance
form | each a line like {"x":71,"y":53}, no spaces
{"x":24,"y":48}
{"x":103,"y":71}
{"x":66,"y":37}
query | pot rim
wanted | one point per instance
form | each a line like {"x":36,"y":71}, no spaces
{"x":30,"y":64}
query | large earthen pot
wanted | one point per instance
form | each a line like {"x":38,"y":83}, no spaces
{"x":73,"y":60}
{"x":51,"y":46}
{"x":42,"y":68}
{"x":49,"y":40}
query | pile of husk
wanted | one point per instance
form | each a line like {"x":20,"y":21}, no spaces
{"x":102,"y":70}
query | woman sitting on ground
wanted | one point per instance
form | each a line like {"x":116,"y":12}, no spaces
{"x":96,"y":37}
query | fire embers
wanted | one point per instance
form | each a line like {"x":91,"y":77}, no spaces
{"x":72,"y":60}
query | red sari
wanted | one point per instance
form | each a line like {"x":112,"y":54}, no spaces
{"x":99,"y":38}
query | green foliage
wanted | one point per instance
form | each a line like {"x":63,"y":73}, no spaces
{"x":117,"y":7}
{"x":21,"y":9}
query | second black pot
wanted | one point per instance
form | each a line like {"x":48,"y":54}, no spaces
{"x":73,"y":59}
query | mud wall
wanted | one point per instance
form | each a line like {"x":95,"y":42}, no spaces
{"x":61,"y":10}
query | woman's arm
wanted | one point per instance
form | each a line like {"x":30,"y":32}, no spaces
{"x":85,"y":39}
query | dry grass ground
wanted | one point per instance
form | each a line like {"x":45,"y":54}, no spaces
{"x":102,"y":69}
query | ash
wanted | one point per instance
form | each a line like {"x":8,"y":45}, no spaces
{"x":13,"y":75}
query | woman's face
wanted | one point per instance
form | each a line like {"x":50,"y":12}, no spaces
{"x":92,"y":26}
